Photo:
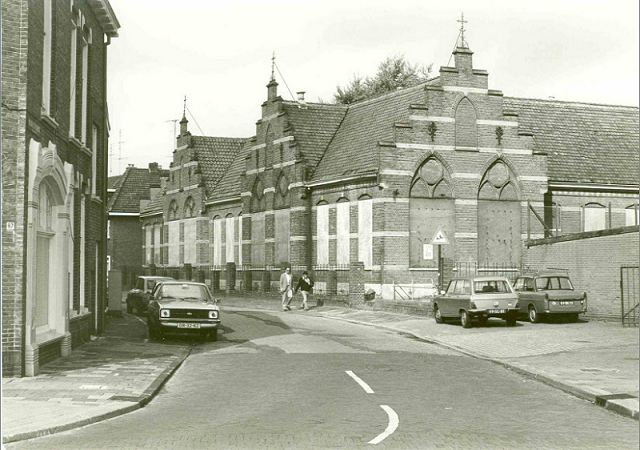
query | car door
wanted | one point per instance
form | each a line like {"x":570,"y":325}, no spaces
{"x":463,"y":293}
{"x":446,"y":301}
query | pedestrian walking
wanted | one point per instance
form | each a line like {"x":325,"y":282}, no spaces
{"x":305,"y":285}
{"x":286,"y":288}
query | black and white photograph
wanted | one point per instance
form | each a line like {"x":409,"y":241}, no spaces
{"x":320,"y":225}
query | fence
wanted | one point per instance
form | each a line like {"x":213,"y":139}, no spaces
{"x":629,"y":295}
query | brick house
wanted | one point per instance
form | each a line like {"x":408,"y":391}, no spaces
{"x":129,"y":193}
{"x":54,"y":164}
{"x":323,"y":185}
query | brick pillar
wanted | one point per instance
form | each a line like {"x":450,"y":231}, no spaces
{"x":266,"y":280}
{"x":188,"y":272}
{"x":356,"y":284}
{"x":201,"y":276}
{"x":231,"y":277}
{"x":215,"y":280}
{"x":247,"y":280}
{"x":332,"y":282}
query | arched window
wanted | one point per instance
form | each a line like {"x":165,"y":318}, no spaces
{"x":282,"y":192}
{"x":498,"y":183}
{"x":189,"y":208}
{"x":269,"y":151}
{"x":173,"y":210}
{"x":595,"y":217}
{"x":258,"y":199}
{"x":45,"y":205}
{"x":431,"y":181}
{"x":466,"y":125}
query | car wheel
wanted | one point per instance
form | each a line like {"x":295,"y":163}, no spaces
{"x":533,"y":315}
{"x":511,"y":320}
{"x":465,"y":319}
{"x":438,"y":315}
{"x":482,"y":321}
{"x":572,"y":317}
{"x":154,"y":333}
{"x":214,"y":335}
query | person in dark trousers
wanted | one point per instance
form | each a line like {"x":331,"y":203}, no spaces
{"x":305,"y":285}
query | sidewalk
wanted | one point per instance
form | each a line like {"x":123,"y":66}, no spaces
{"x":596,"y":361}
{"x":117,"y":373}
{"x":120,"y":371}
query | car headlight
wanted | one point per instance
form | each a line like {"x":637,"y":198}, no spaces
{"x":213,"y":314}
{"x":165,"y":313}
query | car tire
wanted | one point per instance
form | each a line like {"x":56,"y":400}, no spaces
{"x":511,"y":320}
{"x":482,"y":321}
{"x":572,"y":317}
{"x":214,"y":335}
{"x":437,"y":315}
{"x":534,"y":317}
{"x":154,"y":333}
{"x":465,"y":319}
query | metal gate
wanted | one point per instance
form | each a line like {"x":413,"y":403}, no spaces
{"x":629,"y":295}
{"x":499,"y":232}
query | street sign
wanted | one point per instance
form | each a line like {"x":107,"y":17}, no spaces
{"x":439,"y":238}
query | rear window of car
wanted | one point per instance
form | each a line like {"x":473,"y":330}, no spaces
{"x":554,"y":283}
{"x":491,"y":287}
{"x":192,"y":291}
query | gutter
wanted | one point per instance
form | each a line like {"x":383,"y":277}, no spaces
{"x":224,"y":200}
{"x":365,"y":176}
{"x":569,"y":186}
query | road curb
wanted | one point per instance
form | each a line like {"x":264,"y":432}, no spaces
{"x":598,"y":398}
{"x":138,"y":402}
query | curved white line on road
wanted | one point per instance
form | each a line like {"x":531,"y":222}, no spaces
{"x":394,"y":421}
{"x":364,"y":385}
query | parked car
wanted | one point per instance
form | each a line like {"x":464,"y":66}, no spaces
{"x":477,"y":298}
{"x":183,"y":306}
{"x":547,"y":294}
{"x":138,"y":297}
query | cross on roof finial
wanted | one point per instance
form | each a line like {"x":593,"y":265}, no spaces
{"x":462,"y":22}
{"x":273,"y":65}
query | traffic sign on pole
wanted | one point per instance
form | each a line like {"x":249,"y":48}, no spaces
{"x":439,"y":238}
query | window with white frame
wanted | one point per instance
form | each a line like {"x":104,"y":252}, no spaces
{"x":94,"y":159}
{"x":595,"y":216}
{"x":46,"y":57}
{"x":75,"y":19}
{"x":82,"y":252}
{"x":230,"y":239}
{"x":365,"y":232}
{"x":632,"y":215}
{"x":322,"y":235}
{"x":217,"y":242}
{"x":239,"y":240}
{"x":343,"y":232}
{"x":86,"y":40}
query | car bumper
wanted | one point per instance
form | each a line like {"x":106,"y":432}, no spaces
{"x":174,"y":324}
{"x":487,"y":313}
{"x":555,"y":309}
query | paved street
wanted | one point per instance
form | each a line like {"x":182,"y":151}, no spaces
{"x":300,"y":381}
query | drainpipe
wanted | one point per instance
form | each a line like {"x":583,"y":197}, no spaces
{"x":105,"y":175}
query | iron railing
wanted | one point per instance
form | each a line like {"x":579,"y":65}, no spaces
{"x":629,"y":295}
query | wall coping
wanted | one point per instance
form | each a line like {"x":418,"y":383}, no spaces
{"x":583,"y":235}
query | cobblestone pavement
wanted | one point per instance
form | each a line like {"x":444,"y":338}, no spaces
{"x":117,"y":372}
{"x":277,"y":380}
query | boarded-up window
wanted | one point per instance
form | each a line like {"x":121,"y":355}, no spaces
{"x":426,"y":216}
{"x":157,"y":232}
{"x":365,"y":232}
{"x":343,"y":232}
{"x":594,"y":217}
{"x":257,"y":239}
{"x":174,"y":243}
{"x":190,"y":239}
{"x":282,"y":235}
{"x":466,"y":127}
{"x":632,"y":216}
{"x":229,"y":239}
{"x":499,"y":233}
{"x":322,"y":233}
{"x":217,"y":242}
{"x":148,"y":244}
{"x":239,"y":240}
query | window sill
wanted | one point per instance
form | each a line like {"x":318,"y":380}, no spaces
{"x":84,"y":149}
{"x":46,"y":118}
{"x":467,"y":149}
{"x":75,"y":142}
{"x":48,"y":337}
{"x":423,"y":269}
{"x":96,"y":199}
{"x":75,"y":315}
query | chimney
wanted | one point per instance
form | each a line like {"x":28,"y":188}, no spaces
{"x":153,"y":167}
{"x":300,"y":96}
{"x":272,"y":90}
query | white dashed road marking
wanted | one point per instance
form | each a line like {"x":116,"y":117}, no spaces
{"x":364,"y":385}
{"x":393,"y":424}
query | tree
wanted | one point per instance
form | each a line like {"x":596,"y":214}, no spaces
{"x":393,"y":73}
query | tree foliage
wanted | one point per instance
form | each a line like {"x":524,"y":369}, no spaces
{"x":393,"y":73}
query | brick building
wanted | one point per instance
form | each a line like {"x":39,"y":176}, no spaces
{"x":130,"y":193}
{"x":54,"y":144}
{"x":323,"y":185}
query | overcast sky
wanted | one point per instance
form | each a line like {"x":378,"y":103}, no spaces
{"x":218,"y":54}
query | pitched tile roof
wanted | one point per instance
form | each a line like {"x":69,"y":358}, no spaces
{"x":132,"y":187}
{"x":214,"y":155}
{"x":354,"y":149}
{"x":229,"y":185}
{"x":314,"y":125}
{"x":587,"y":143}
{"x":156,"y":204}
{"x":114,"y":182}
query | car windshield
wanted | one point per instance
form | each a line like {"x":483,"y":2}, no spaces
{"x":491,"y":287}
{"x":185,"y":291}
{"x":554,"y":283}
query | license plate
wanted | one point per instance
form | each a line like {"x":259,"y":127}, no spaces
{"x":566,"y":303}
{"x":496,"y":311}
{"x":188,"y":325}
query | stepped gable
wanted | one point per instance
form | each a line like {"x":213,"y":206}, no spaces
{"x":214,"y":156}
{"x":230,"y":184}
{"x":314,"y":125}
{"x":354,"y":149}
{"x":587,"y":143}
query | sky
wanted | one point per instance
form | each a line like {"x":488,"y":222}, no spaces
{"x":218,"y":54}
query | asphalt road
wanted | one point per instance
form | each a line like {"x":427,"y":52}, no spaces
{"x":291,"y":381}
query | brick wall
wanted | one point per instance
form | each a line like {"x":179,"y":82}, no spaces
{"x":593,"y":260}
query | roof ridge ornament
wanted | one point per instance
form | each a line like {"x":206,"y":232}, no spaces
{"x":273,"y":66}
{"x":463,"y":43}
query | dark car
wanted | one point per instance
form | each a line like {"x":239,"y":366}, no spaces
{"x":547,"y":294}
{"x":477,"y":298}
{"x":183,"y":306}
{"x":138,"y":297}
